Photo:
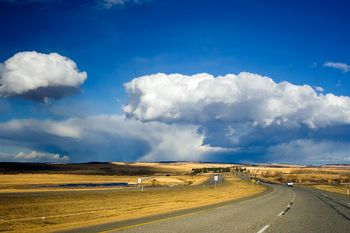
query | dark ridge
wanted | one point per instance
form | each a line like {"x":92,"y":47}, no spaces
{"x":74,"y":168}
{"x":336,"y":164}
{"x":96,"y":162}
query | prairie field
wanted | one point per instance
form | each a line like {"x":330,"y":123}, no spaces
{"x":50,"y":182}
{"x":26,"y":206}
{"x":178,"y":167}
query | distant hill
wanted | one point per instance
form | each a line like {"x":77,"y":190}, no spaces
{"x":92,"y":168}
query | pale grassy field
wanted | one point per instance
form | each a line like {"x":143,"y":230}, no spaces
{"x":63,"y":209}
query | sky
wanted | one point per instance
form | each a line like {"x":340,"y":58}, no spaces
{"x":158,"y":80}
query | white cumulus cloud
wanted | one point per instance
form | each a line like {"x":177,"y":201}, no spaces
{"x":251,"y":116}
{"x":245,"y":97}
{"x":338,"y":65}
{"x":40,"y":76}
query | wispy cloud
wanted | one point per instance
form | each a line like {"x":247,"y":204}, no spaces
{"x":338,"y":65}
{"x":109,"y":136}
{"x":34,"y":156}
{"x":110,"y":3}
{"x":28,"y":1}
{"x":313,"y":65}
{"x":319,"y":89}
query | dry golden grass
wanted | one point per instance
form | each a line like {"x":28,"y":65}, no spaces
{"x":174,"y":180}
{"x":343,"y":189}
{"x":35,"y":182}
{"x":23,"y":211}
{"x":21,"y":180}
{"x":329,"y":178}
{"x":293,"y":169}
{"x":178,"y":167}
{"x":261,"y":169}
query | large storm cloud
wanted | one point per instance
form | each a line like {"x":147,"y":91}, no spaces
{"x":39,"y":76}
{"x":108,"y":137}
{"x":247,"y":113}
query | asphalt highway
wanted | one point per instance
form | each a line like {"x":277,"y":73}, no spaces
{"x":282,"y":209}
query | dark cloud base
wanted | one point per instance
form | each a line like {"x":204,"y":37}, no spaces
{"x":42,"y":94}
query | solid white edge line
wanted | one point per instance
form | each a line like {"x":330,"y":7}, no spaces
{"x":263,"y":229}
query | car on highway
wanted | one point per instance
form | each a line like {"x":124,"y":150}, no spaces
{"x":290,"y":184}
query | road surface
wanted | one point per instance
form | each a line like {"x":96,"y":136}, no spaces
{"x":282,"y":209}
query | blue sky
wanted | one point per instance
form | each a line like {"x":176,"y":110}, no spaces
{"x":117,"y":41}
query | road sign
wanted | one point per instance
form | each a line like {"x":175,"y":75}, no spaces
{"x":216,"y":178}
{"x":139,"y":180}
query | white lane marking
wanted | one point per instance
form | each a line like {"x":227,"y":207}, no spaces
{"x":263,"y":229}
{"x":288,"y":206}
{"x":293,"y":196}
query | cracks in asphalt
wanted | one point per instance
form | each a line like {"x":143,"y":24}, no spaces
{"x":329,"y":201}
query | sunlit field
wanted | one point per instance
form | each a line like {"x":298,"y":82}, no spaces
{"x":34,"y":203}
{"x":331,"y":178}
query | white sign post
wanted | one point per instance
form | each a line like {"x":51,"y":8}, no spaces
{"x":216,"y":179}
{"x":139,"y":181}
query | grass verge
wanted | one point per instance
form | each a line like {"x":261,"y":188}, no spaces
{"x":342,"y":189}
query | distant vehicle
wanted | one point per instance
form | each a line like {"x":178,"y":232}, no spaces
{"x":290,"y":184}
